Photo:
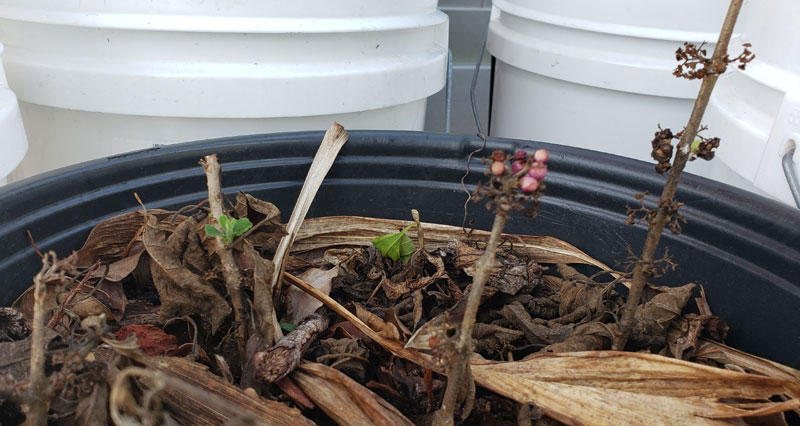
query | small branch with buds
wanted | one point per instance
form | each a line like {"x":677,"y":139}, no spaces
{"x":694,"y":65}
{"x":515,"y":184}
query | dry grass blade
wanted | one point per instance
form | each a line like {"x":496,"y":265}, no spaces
{"x":710,"y":350}
{"x":333,"y":231}
{"x":612,"y":388}
{"x":332,"y":142}
{"x":197,"y":397}
{"x":343,"y":399}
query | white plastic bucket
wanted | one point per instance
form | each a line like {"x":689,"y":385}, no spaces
{"x":13,"y":142}
{"x":598,"y":74}
{"x":97,"y":78}
{"x":756,"y":112}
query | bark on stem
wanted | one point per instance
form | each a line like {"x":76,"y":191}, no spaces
{"x":458,"y":374}
{"x":233,"y":279}
{"x":281,"y":359}
{"x":38,"y":405}
{"x":645,"y":263}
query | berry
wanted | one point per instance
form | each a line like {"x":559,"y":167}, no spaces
{"x":498,"y":168}
{"x":499,"y":156}
{"x":520,"y":155}
{"x":538,"y":172}
{"x":528,"y":184}
{"x":517,"y":166}
{"x":541,"y":155}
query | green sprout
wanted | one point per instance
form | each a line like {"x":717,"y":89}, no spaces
{"x":230,"y":228}
{"x":695,"y":145}
{"x":396,"y":246}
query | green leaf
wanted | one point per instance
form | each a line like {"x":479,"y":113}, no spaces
{"x":240,"y":226}
{"x":695,"y":145}
{"x":395,"y":246}
{"x":224,"y":222}
{"x":212,"y":231}
{"x":407,"y":248}
{"x":288,"y":327}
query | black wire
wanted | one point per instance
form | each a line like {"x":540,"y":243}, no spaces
{"x":481,"y":135}
{"x":475,"y":83}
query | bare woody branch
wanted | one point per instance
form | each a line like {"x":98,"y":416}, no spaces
{"x":233,"y":278}
{"x":662,"y":218}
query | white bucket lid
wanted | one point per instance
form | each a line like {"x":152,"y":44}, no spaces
{"x":223,"y":59}
{"x":622,"y":45}
{"x":13,"y":142}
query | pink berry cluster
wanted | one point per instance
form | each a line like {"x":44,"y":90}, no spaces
{"x":536,"y":166}
{"x":516,"y":181}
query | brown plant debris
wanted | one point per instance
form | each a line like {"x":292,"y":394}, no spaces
{"x":142,"y":330}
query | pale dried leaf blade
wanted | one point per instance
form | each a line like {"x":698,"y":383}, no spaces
{"x":193,"y":411}
{"x":710,"y":350}
{"x":343,"y":399}
{"x":609,"y":387}
{"x":331,"y":144}
{"x":332,"y":231}
{"x":302,"y":304}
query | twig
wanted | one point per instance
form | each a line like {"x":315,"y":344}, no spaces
{"x":56,"y":318}
{"x":459,"y":374}
{"x":233,"y":279}
{"x":38,"y":403}
{"x":281,"y":359}
{"x":645,"y":263}
{"x":420,"y":234}
{"x":33,"y":244}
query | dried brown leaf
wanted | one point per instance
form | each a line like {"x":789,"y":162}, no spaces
{"x":516,"y":314}
{"x":654,"y":317}
{"x":181,"y":291}
{"x":411,"y":278}
{"x":343,"y":399}
{"x":109,"y":240}
{"x":120,"y":269}
{"x":380,"y":326}
{"x":590,"y":336}
{"x":263,"y":303}
{"x":614,"y":388}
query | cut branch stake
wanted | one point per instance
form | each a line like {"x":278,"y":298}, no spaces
{"x":645,"y":263}
{"x":233,"y":279}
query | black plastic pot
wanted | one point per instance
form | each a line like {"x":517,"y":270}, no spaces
{"x":743,"y":249}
